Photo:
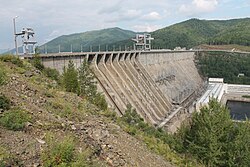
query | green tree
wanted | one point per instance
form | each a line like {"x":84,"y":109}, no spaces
{"x":209,"y":134}
{"x":70,"y":78}
{"x":87,"y":84}
{"x":238,"y":153}
{"x":213,"y":137}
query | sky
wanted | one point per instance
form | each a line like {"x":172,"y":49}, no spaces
{"x":53,"y":18}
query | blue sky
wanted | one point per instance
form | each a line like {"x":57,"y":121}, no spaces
{"x":52,"y":18}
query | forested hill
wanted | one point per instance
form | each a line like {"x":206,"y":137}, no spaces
{"x":187,"y":34}
{"x":193,"y":32}
{"x":88,"y":39}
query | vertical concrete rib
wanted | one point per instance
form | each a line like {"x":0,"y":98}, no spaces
{"x":117,"y":88}
{"x":107,"y":86}
{"x":136,"y":92}
{"x":152,"y":84}
{"x":129,"y":93}
{"x":138,"y":84}
{"x":142,"y":84}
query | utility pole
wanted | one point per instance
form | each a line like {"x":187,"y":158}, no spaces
{"x":15,"y":36}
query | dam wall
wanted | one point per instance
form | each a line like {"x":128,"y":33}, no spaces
{"x":160,"y":85}
{"x":174,"y":72}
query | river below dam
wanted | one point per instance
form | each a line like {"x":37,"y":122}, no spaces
{"x":239,"y":110}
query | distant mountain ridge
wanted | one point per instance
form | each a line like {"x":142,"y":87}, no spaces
{"x":88,"y":40}
{"x":193,"y":32}
{"x":187,"y":34}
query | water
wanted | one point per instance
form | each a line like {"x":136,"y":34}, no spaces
{"x":239,"y":110}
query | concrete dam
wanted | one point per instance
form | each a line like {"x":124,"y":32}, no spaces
{"x":161,"y":85}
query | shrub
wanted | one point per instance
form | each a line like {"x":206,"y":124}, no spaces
{"x":100,"y":101}
{"x":7,"y":159}
{"x":37,"y":63}
{"x":49,"y":94}
{"x":131,"y":117}
{"x":14,"y":119}
{"x":109,"y":114}
{"x":4,"y":103}
{"x":13,"y":59}
{"x":81,"y":160}
{"x":58,"y":153}
{"x":52,"y":73}
{"x":2,"y":76}
{"x":61,"y":152}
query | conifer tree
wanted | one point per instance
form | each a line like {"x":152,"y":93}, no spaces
{"x":70,"y":78}
{"x":87,"y":86}
{"x":208,"y":136}
{"x":213,"y":137}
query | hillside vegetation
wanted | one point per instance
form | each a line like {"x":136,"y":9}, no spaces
{"x":187,"y":34}
{"x":193,"y":32}
{"x":225,"y":65}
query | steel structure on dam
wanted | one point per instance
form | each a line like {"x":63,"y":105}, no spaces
{"x":161,"y":85}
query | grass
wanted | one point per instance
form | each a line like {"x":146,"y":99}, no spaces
{"x":74,"y":109}
{"x":7,"y":159}
{"x":15,"y":119}
{"x":58,"y":153}
{"x":5,"y":103}
{"x":13,"y":59}
{"x":63,"y":152}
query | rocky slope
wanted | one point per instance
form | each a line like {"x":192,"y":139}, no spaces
{"x":61,"y":114}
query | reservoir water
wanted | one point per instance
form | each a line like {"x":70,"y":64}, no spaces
{"x":239,"y":110}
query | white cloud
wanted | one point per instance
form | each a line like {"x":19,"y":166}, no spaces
{"x":205,"y":5}
{"x":127,"y":15}
{"x":152,"y":16}
{"x":132,"y":13}
{"x":146,"y":28}
{"x":111,"y":8}
{"x":198,"y":6}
